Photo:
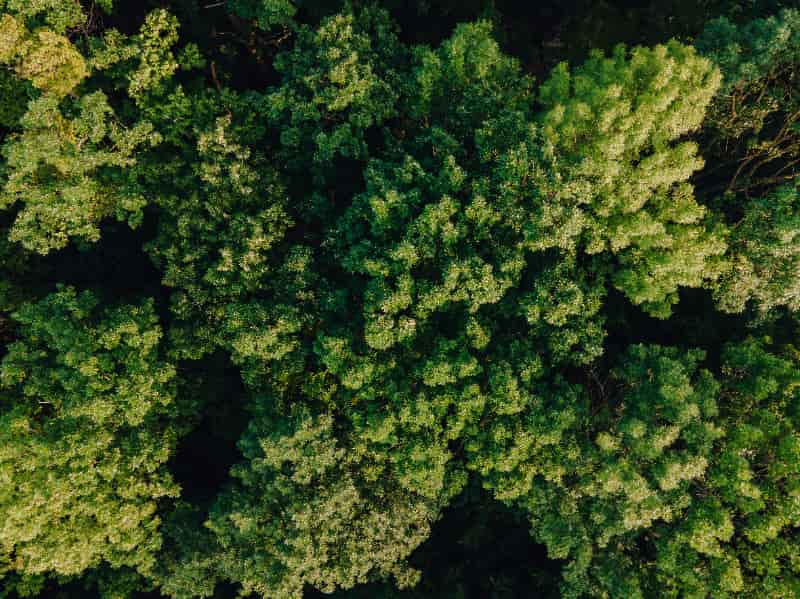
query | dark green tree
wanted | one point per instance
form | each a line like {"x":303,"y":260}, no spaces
{"x":753,"y":126}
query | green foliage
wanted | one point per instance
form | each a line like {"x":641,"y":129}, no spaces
{"x":765,"y":246}
{"x":15,"y":95}
{"x":422,"y":274}
{"x":684,"y":487}
{"x":425,"y":232}
{"x":299,"y":500}
{"x":222,"y":249}
{"x":84,"y":405}
{"x":152,"y":50}
{"x":739,"y":534}
{"x":748,"y":53}
{"x":69,"y":172}
{"x":145,"y":64}
{"x":48,"y":60}
{"x":755,"y":118}
{"x":452,"y":253}
{"x":618,"y":180}
{"x":753,"y":129}
{"x":266,"y":13}
{"x":70,"y":165}
{"x":595,"y":474}
{"x":337,"y":81}
{"x":526,"y":431}
{"x":58,"y":15}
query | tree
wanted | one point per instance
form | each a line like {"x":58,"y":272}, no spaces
{"x":56,"y":15}
{"x":765,"y":249}
{"x":425,"y":233}
{"x":85,"y":434}
{"x":70,"y":173}
{"x":301,"y":497}
{"x":617,"y":180}
{"x":675,"y":484}
{"x":48,"y":60}
{"x":594,"y":478}
{"x":752,"y":132}
{"x":442,"y":281}
{"x":337,"y":82}
{"x":755,"y":117}
{"x":71,"y":164}
{"x":216,"y":246}
{"x":739,"y":534}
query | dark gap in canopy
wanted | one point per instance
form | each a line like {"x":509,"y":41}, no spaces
{"x":204,"y":456}
{"x":479,"y":548}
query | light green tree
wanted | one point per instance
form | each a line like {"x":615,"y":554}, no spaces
{"x":70,"y":172}
{"x":48,"y":60}
{"x":301,"y":499}
{"x":85,"y":409}
{"x":618,"y":168}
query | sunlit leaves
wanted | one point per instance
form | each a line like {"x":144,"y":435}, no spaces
{"x":48,"y":60}
{"x":612,"y":130}
{"x":68,"y":172}
{"x":408,"y":255}
{"x":85,"y":402}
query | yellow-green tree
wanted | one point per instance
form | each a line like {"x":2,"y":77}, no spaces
{"x":86,"y":403}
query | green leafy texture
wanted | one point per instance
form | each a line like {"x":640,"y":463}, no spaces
{"x":85,"y":402}
{"x":15,"y":95}
{"x":70,"y":171}
{"x":237,"y":284}
{"x":391,"y":467}
{"x":765,"y":254}
{"x":48,"y":60}
{"x":754,"y":122}
{"x":443,"y":269}
{"x":379,"y":411}
{"x":57,"y":15}
{"x":144,"y":64}
{"x":221,"y":245}
{"x":686,"y":487}
{"x":406,"y":252}
{"x":442,"y":228}
{"x":300,"y":503}
{"x":188,"y":564}
{"x":71,"y":165}
{"x":153,"y":51}
{"x":739,"y":535}
{"x":617,"y":175}
{"x":595,"y":475}
{"x":338,"y":81}
{"x":753,"y":131}
{"x":403,"y":395}
{"x":527,"y":429}
{"x":266,"y":13}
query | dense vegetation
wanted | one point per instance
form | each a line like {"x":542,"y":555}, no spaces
{"x":466,"y":299}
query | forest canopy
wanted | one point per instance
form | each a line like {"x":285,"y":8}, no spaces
{"x":473,"y":299}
